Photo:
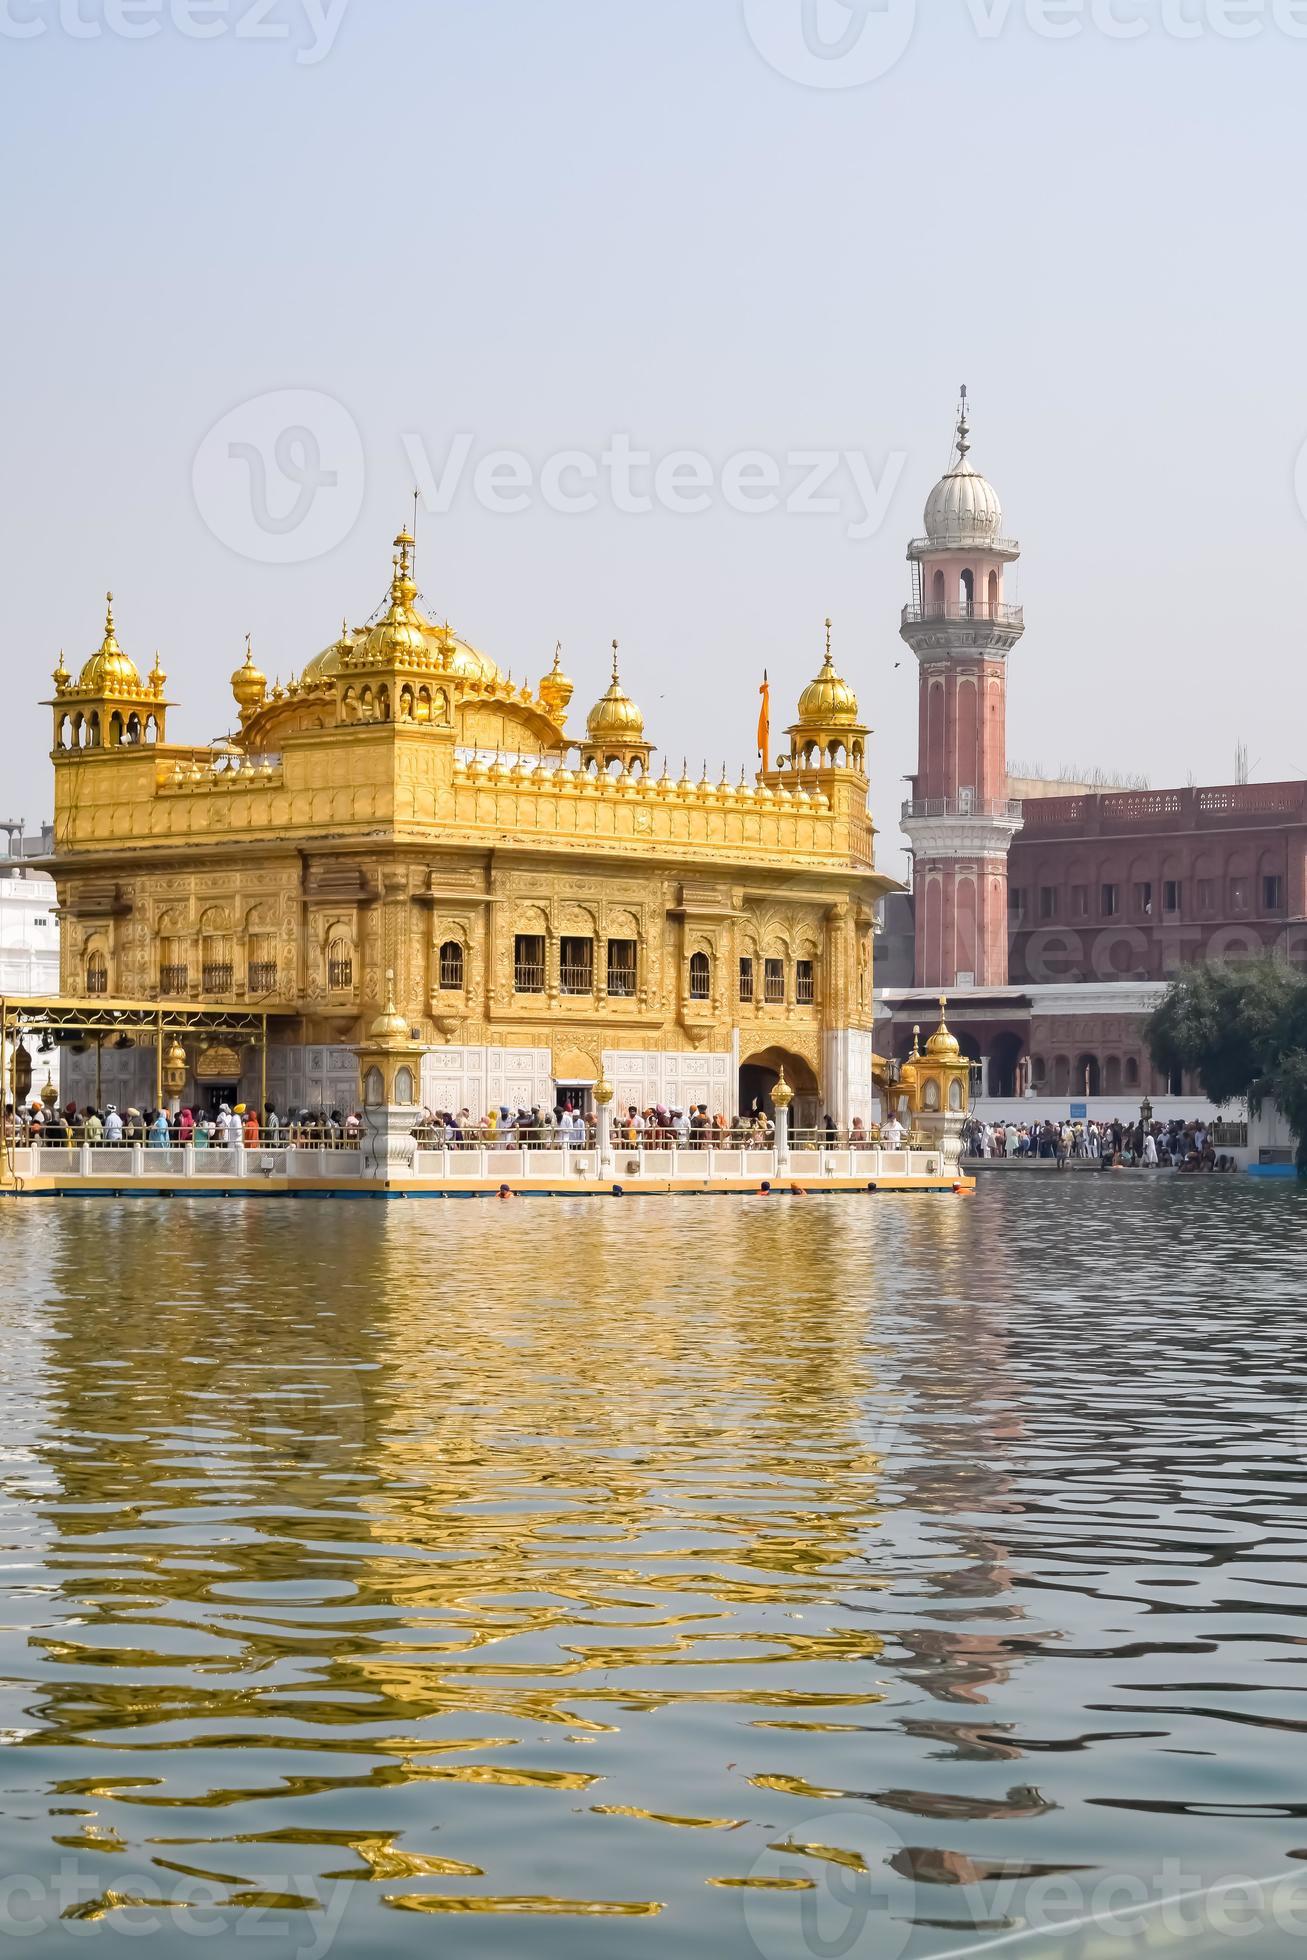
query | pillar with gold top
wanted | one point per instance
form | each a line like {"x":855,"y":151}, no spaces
{"x":782,"y":1101}
{"x":389,"y":1069}
{"x":942,"y":1077}
{"x":603,"y":1094}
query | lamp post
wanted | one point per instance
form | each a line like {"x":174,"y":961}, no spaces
{"x":782,"y":1098}
{"x":603,"y":1094}
{"x":1146,"y":1115}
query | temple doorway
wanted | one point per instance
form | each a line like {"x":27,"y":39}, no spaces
{"x":1005,"y":1066}
{"x":759,"y":1076}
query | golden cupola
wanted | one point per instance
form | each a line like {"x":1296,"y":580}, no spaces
{"x":943,"y":1044}
{"x":400,"y":638}
{"x":614,"y":731}
{"x":829,"y":733}
{"x":556,"y":690}
{"x":249,"y":686}
{"x":109,"y":706}
{"x":109,"y":671}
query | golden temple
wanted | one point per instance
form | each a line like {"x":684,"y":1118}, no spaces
{"x":554,"y":908}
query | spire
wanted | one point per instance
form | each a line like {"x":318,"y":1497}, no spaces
{"x":109,"y":644}
{"x":616,"y":650}
{"x":964,"y":428}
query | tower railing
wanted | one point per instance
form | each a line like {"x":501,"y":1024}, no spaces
{"x":966,"y":609}
{"x":953,"y":806}
{"x":963,"y":540}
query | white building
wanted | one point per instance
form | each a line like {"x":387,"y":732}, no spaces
{"x":29,"y":949}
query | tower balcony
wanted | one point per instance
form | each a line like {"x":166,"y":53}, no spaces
{"x":970,"y":806}
{"x":963,"y":538}
{"x":962,"y":626}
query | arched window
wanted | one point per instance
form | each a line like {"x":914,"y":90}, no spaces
{"x":174,"y":968}
{"x":938,"y":592}
{"x":374,"y":1089}
{"x":993,"y":595}
{"x":451,"y":967}
{"x":217,"y":970}
{"x":340,"y":966}
{"x":968,"y":591}
{"x":1131,"y":1072}
{"x":1112,"y":1076}
{"x":97,"y":974}
{"x":1088,"y":1079}
{"x":261,"y":961}
{"x":404,"y":1087}
{"x":700,"y":977}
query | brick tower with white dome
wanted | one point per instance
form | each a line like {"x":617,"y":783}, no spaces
{"x":959,"y":820}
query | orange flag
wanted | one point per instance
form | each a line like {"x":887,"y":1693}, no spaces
{"x":764,"y":721}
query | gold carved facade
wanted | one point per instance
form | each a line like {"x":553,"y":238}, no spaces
{"x":404,"y":807}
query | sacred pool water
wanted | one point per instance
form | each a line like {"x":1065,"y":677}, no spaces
{"x":733,"y":1580}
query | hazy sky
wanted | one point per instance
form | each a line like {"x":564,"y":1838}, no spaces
{"x":676,"y":226}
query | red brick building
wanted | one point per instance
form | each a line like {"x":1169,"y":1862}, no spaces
{"x":1134,"y":885}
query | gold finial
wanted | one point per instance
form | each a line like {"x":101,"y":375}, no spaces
{"x":616,"y":650}
{"x":61,"y":674}
{"x":830,"y":626}
{"x":916,"y":1043}
{"x":557,"y":667}
{"x":782,"y":1095}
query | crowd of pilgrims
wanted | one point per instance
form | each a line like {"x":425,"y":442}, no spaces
{"x":501,"y":1128}
{"x":1120,"y":1146}
{"x":222,"y":1128}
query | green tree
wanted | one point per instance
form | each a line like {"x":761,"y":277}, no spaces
{"x":1242,"y":1030}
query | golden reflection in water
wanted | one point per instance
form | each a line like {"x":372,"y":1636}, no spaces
{"x":370,"y":1517}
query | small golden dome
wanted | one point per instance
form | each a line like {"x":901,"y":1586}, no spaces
{"x":109,"y":671}
{"x":615,"y":718}
{"x":829,"y":698}
{"x":556,"y":690}
{"x":943,"y":1046}
{"x":61,"y":675}
{"x":248,"y":685}
{"x":390,"y":1024}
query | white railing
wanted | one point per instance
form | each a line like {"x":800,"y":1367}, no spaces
{"x":473,"y":1165}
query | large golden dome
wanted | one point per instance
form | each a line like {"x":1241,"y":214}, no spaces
{"x":615,"y":718}
{"x":829,"y":698}
{"x":403,"y":636}
{"x":109,"y":671}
